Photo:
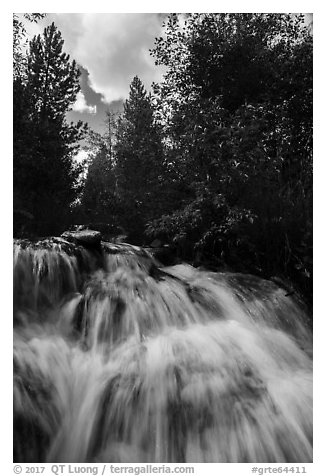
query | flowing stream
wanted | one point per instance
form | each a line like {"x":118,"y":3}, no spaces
{"x":117,"y":359}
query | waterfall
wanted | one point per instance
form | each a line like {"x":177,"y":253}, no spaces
{"x":118,"y":359}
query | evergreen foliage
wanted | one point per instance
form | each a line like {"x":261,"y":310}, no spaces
{"x":45,"y":177}
{"x":139,"y":159}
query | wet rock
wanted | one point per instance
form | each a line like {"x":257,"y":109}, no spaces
{"x":156,"y":243}
{"x":109,"y":231}
{"x":83,"y":237}
{"x":164,"y":254}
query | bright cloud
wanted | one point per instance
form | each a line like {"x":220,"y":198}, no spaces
{"x":112,"y":47}
{"x":82,"y":106}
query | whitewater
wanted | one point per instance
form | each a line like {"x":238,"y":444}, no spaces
{"x":119,"y":359}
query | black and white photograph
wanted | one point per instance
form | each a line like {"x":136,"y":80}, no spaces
{"x":163,"y":241}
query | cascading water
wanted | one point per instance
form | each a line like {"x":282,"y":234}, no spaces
{"x":119,"y":360}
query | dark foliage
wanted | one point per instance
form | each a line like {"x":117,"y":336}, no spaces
{"x":45,"y":177}
{"x":139,"y":161}
{"x":236,"y":104}
{"x":216,"y":162}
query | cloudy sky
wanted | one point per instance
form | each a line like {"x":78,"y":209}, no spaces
{"x":110,"y":48}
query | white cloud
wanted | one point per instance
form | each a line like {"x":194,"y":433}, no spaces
{"x":81,"y":105}
{"x":112,"y":47}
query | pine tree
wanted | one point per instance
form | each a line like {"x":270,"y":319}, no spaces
{"x":98,"y":200}
{"x":139,"y":157}
{"x":45,"y":176}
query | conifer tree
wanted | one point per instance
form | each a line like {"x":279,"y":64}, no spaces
{"x":45,"y":176}
{"x":139,"y":156}
{"x":98,"y":199}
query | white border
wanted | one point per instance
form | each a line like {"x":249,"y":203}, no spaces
{"x":319,"y":466}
